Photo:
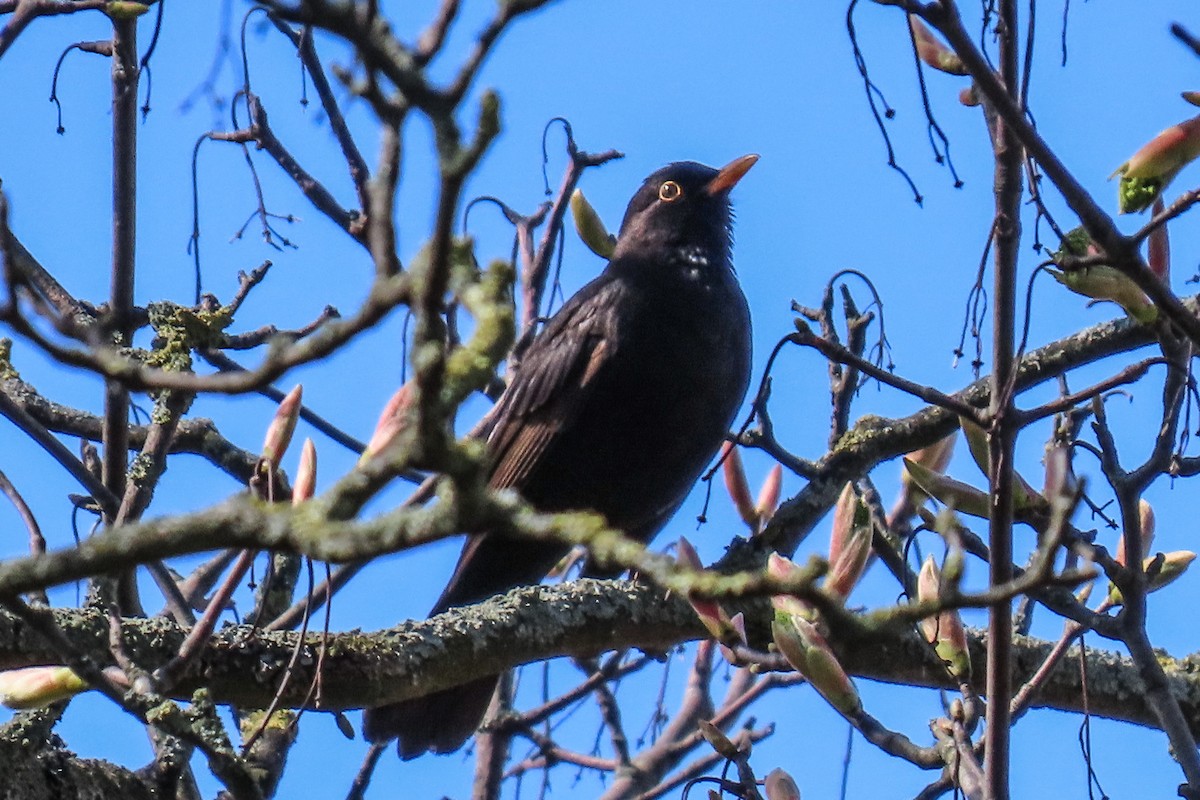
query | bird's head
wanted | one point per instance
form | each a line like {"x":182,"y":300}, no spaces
{"x":681,"y":214}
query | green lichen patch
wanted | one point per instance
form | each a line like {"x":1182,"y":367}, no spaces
{"x":7,"y":370}
{"x":179,"y":331}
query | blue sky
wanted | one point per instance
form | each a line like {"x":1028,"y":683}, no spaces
{"x":666,"y":81}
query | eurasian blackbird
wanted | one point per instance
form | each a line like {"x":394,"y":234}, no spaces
{"x":617,"y":406}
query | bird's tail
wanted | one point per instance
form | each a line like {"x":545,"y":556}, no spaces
{"x":440,"y":722}
{"x":444,"y":720}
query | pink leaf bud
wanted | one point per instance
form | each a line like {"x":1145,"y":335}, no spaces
{"x":932,"y":51}
{"x":737,"y":486}
{"x":849,"y":544}
{"x":283,"y":424}
{"x":1163,"y":569}
{"x":807,"y":651}
{"x":1148,"y":171}
{"x":783,"y":569}
{"x":1102,"y":282}
{"x":1060,"y":479}
{"x":711,"y":615}
{"x":936,"y":456}
{"x":947,"y":491}
{"x":35,"y":687}
{"x":391,"y":422}
{"x":943,"y":630}
{"x":717,"y":739}
{"x":779,"y":785}
{"x":768,"y":495}
{"x":1146,"y":517}
{"x":1158,"y":247}
{"x":305,"y":484}
{"x":844,"y":512}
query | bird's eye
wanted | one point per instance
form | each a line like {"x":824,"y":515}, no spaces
{"x":669,"y":192}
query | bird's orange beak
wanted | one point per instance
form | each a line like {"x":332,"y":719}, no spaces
{"x":730,"y":174}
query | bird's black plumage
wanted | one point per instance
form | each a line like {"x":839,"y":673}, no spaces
{"x":617,"y":407}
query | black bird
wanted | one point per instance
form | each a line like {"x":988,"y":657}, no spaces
{"x":617,"y":407}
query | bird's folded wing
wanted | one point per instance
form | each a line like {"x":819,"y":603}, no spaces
{"x":551,"y":385}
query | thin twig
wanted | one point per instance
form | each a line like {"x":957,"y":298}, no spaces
{"x":168,"y":674}
{"x":59,"y":452}
{"x":37,"y":542}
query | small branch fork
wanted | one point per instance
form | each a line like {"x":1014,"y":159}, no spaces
{"x":535,"y":270}
{"x":26,"y":11}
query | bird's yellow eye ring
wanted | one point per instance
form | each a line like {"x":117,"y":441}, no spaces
{"x":670,"y":191}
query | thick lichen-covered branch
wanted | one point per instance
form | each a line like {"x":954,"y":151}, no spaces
{"x":243,"y":666}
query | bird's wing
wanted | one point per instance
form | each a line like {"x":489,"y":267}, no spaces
{"x":551,"y":383}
